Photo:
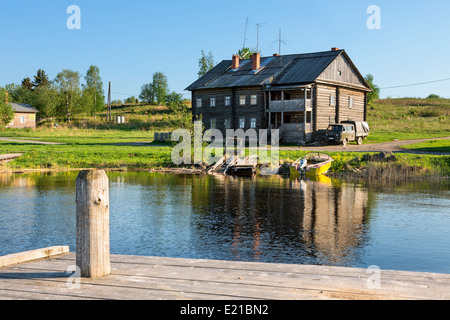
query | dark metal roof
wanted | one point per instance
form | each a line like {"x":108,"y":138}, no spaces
{"x":23,"y":107}
{"x":276,"y":70}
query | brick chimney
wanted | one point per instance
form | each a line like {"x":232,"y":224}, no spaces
{"x":235,"y":63}
{"x":334,"y":49}
{"x":276,"y":54}
{"x":256,"y":61}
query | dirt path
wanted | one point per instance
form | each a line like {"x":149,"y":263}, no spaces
{"x":27,"y":141}
{"x":393,"y":146}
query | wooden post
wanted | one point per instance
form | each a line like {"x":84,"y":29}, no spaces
{"x":92,"y":244}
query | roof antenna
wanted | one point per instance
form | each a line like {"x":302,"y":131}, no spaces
{"x":279,"y":43}
{"x":245,"y":33}
{"x":257,"y":36}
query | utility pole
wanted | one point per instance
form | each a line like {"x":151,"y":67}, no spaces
{"x":108,"y":113}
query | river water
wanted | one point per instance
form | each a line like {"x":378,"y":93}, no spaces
{"x":400,"y":226}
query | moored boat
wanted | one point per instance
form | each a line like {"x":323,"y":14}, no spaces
{"x":314,"y":164}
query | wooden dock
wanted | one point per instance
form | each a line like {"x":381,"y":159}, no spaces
{"x":158,"y":278}
{"x":9,"y":157}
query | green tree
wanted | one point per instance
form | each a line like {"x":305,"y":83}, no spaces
{"x":174,"y":101}
{"x":27,"y":84}
{"x":147,"y":93}
{"x":93,"y":94}
{"x":6,"y":111}
{"x":205,"y":63}
{"x":160,"y":87}
{"x":433,"y":96}
{"x":46,"y":99}
{"x":375,"y":94}
{"x":41,"y":79}
{"x":68,"y":84}
{"x":246,"y":53}
{"x":131,"y":100}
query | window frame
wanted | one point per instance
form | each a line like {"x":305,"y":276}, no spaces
{"x":212,"y":102}
{"x":227,"y":101}
{"x":240,"y":122}
{"x":253,"y":123}
{"x":199,"y":103}
{"x":240,"y":100}
{"x":211,"y":121}
{"x":253,"y":99}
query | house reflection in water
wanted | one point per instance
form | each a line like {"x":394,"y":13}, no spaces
{"x":282,"y":220}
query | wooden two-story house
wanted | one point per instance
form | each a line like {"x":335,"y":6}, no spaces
{"x":299,"y":94}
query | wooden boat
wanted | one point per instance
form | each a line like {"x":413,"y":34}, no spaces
{"x":314,"y":164}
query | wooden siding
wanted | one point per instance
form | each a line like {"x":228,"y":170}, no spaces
{"x":347,"y":74}
{"x":325,"y":113}
{"x":29,"y":120}
{"x":356,"y":112}
{"x":234,"y":111}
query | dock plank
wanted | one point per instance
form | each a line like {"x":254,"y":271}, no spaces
{"x":152,"y":278}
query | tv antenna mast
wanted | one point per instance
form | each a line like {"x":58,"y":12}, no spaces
{"x":245,"y":33}
{"x":280,"y":42}
{"x":258,"y":25}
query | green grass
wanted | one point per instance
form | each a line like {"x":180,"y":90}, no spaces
{"x":430,"y":146}
{"x":90,"y":144}
{"x":408,"y":118}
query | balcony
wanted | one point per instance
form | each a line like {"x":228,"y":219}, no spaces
{"x":289,"y":105}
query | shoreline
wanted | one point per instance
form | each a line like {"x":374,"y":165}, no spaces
{"x":409,"y":173}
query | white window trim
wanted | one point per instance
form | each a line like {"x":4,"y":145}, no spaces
{"x":212,"y":102}
{"x":350,"y":102}
{"x":211,"y":121}
{"x":227,"y":123}
{"x":240,"y":123}
{"x":227,"y":101}
{"x":23,"y":120}
{"x":332,"y":100}
{"x":253,"y":123}
{"x":199,"y":102}
{"x":254,"y":98}
{"x":240,"y":100}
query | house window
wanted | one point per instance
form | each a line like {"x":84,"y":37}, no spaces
{"x":242,"y":100}
{"x":199,"y":103}
{"x":332,"y":100}
{"x":350,"y":102}
{"x":242,"y":123}
{"x":227,"y":123}
{"x":227,"y":101}
{"x":253,"y":99}
{"x":213,"y":123}
{"x":339,"y":73}
{"x":22,"y":119}
{"x":212,"y":102}
{"x":253,"y":123}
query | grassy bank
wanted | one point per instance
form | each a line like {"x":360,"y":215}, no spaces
{"x":93,"y":143}
{"x":408,"y":118}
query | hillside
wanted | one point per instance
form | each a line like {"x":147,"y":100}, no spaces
{"x":408,"y":118}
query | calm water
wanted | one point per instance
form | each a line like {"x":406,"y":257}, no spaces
{"x":267,"y":219}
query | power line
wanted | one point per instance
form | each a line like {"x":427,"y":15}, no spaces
{"x":415,"y":84}
{"x":125,"y":94}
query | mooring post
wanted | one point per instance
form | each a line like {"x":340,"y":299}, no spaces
{"x":92,"y":243}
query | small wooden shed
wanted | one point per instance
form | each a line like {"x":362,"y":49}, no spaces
{"x":24,"y":116}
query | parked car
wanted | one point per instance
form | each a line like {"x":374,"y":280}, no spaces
{"x":348,"y":131}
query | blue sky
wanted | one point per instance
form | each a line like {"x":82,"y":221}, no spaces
{"x":130,"y":40}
